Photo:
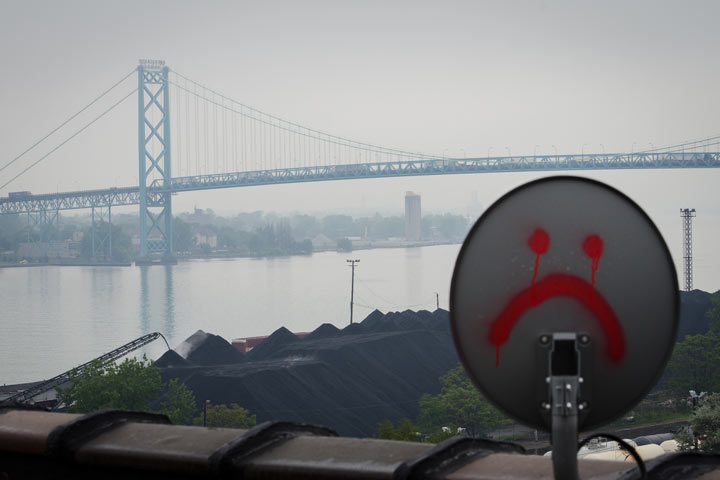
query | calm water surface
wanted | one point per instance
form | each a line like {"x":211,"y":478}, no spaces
{"x":54,"y":318}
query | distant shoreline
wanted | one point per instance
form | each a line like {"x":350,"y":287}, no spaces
{"x":359,"y":248}
{"x":78,"y":264}
{"x":235,"y":255}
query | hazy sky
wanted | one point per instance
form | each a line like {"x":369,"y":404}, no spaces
{"x":443,"y":78}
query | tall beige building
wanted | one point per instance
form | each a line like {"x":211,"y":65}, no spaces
{"x":413,"y":215}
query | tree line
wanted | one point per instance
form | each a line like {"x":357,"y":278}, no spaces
{"x":135,"y":384}
{"x":695,"y":361}
{"x":255,"y":233}
{"x":459,"y":407}
{"x":258,"y":232}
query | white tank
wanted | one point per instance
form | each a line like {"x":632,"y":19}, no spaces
{"x":669,"y":445}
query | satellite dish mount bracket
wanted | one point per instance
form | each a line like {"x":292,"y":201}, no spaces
{"x":564,"y":404}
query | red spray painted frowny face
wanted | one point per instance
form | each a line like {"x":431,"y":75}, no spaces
{"x":561,"y":285}
{"x":564,"y":255}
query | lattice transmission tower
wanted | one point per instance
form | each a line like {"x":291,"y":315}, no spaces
{"x":687,"y":215}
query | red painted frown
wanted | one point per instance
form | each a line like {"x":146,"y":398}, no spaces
{"x":561,"y":285}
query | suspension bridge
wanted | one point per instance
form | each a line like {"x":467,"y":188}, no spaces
{"x":216,"y":142}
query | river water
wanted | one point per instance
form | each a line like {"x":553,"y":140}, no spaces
{"x":54,"y":318}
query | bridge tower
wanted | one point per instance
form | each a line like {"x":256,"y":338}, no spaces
{"x":154,"y":160}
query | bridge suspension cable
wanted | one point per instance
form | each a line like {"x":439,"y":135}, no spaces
{"x":252,"y":140}
{"x":290,"y":123}
{"x":232,"y":136}
{"x":689,"y":145}
{"x":78,"y":132}
{"x":68,"y":120}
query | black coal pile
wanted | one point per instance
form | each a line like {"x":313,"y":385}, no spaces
{"x":279,"y":338}
{"x":326,"y":330}
{"x":203,"y":348}
{"x":349,"y":380}
{"x":374,"y":317}
{"x":407,"y":320}
{"x":353,"y":329}
{"x":171,"y":359}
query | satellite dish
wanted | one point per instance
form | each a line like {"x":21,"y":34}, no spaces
{"x":564,"y":278}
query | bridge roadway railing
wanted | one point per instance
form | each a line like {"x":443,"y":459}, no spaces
{"x":440,"y":166}
{"x":110,"y":197}
{"x":443,"y":167}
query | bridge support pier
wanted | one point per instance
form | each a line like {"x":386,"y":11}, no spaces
{"x":42,"y":227}
{"x":101,"y":231}
{"x":154,"y":157}
{"x":44,"y":221}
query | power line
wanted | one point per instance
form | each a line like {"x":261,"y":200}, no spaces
{"x":67,"y":121}
{"x":69,"y":138}
{"x":385,"y":300}
{"x":365,"y":303}
{"x":369,"y":307}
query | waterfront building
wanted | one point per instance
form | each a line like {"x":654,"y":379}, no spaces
{"x":412,"y":217}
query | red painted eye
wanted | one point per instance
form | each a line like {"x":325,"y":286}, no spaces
{"x":593,"y":246}
{"x":539,"y":241}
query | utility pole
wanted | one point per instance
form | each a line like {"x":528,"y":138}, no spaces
{"x":687,"y":215}
{"x":352,"y":285}
{"x":437,"y":301}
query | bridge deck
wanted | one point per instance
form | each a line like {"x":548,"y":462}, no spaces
{"x":546,"y":163}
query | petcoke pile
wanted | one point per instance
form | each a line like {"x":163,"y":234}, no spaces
{"x":349,"y":379}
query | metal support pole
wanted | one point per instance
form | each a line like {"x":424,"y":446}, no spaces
{"x":43,"y":221}
{"x":564,"y":429}
{"x":92,"y":229}
{"x":41,"y":225}
{"x":109,"y":234}
{"x":352,"y":286}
